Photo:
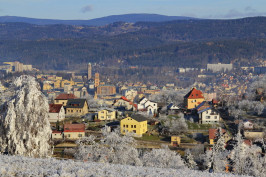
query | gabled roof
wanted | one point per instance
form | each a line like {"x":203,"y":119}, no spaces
{"x":74,"y":128}
{"x":203,"y":110}
{"x":55,"y":108}
{"x":202,"y":105}
{"x":213,"y":132}
{"x":138,"y":117}
{"x":65,"y":96}
{"x":125,"y":99}
{"x":194,"y":94}
{"x":75,"y":103}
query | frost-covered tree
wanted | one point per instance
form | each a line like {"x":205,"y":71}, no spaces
{"x":189,"y":160}
{"x":173,"y":125}
{"x":170,"y":96}
{"x":163,"y":158}
{"x":24,"y":126}
{"x":112,"y":148}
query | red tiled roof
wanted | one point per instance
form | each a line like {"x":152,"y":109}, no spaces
{"x":74,"y":128}
{"x":247,"y":142}
{"x":56,"y":131}
{"x":213,"y":131}
{"x":65,"y":96}
{"x":194,"y":94}
{"x":55,"y":108}
{"x":125,"y":99}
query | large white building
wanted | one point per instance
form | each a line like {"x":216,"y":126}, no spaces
{"x":219,"y":67}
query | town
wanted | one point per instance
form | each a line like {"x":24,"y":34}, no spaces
{"x":188,"y":120}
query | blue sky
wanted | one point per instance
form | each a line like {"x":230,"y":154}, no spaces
{"x":89,"y":9}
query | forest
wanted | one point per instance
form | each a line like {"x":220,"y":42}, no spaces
{"x":183,"y":43}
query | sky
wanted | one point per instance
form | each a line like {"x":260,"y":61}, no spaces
{"x":90,"y":9}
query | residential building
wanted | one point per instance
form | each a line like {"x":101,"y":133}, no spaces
{"x":57,"y":134}
{"x":74,"y":131}
{"x":213,"y":135}
{"x":193,"y":98}
{"x":136,"y":124}
{"x":209,"y":116}
{"x":63,"y":98}
{"x":56,"y":112}
{"x":76,"y":107}
{"x":124,"y":104}
{"x":147,"y":105}
{"x":107,"y":114}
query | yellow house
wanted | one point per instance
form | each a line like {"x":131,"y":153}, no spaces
{"x":193,"y":98}
{"x":47,"y":86}
{"x":77,"y":107}
{"x":107,"y":114}
{"x":136,"y":124}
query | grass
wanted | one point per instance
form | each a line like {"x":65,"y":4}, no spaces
{"x":147,"y":137}
{"x":198,"y":126}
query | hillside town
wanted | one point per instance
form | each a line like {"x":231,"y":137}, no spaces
{"x":221,"y":104}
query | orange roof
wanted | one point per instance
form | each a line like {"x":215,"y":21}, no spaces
{"x":213,"y":132}
{"x":55,"y":108}
{"x":74,"y":128}
{"x":194,"y":94}
{"x":65,"y":96}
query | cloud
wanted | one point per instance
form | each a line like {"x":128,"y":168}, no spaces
{"x":86,"y":9}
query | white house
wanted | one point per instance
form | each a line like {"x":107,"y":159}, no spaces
{"x":56,"y":112}
{"x":209,"y":116}
{"x":248,"y":125}
{"x":149,"y":106}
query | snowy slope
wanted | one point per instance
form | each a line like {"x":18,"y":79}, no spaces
{"x":22,"y":166}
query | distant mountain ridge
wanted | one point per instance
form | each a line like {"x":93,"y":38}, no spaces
{"x":130,"y":18}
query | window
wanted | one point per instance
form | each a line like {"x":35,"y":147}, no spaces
{"x":134,"y":131}
{"x":131,"y":126}
{"x":80,"y":135}
{"x":208,"y":117}
{"x":63,"y":103}
{"x":215,"y":117}
{"x":57,"y":101}
{"x":134,"y":126}
{"x":68,"y":135}
{"x":126,"y":126}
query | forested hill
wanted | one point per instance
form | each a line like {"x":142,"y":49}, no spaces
{"x":130,"y":18}
{"x":179,"y":43}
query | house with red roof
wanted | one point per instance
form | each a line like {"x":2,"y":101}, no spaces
{"x":56,"y":112}
{"x":213,"y":135}
{"x":124,"y":104}
{"x":74,"y":131}
{"x":63,"y":98}
{"x":193,"y":98}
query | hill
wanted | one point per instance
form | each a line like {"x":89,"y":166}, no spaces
{"x":181,"y":43}
{"x":130,"y":18}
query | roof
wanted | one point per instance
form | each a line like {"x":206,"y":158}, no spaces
{"x":138,"y":117}
{"x":108,"y":109}
{"x":75,"y":103}
{"x":74,"y":128}
{"x":202,"y":105}
{"x":125,"y":99}
{"x":213,"y":132}
{"x":194,"y":94}
{"x":203,"y":110}
{"x":55,"y":108}
{"x":65,"y":96}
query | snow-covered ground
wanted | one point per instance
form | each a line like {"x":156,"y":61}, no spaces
{"x":24,"y":166}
